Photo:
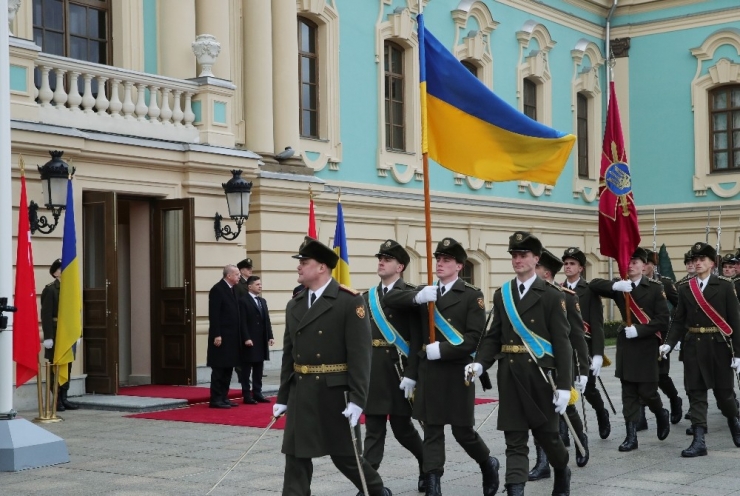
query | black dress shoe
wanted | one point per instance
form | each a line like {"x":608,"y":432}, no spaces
{"x":434,"y":484}
{"x":219,"y":405}
{"x":605,"y":427}
{"x":250,"y":401}
{"x":66,"y":403}
{"x":489,"y":469}
{"x":676,"y":409}
{"x":261,"y":399}
{"x":663,"y":419}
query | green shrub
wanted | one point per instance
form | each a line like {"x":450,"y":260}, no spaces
{"x":611,"y":327}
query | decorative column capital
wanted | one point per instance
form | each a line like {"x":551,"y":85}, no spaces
{"x":621,"y":47}
{"x":13,"y":6}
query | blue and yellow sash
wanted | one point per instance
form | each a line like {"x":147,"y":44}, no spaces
{"x":451,"y":334}
{"x":386,"y":328}
{"x":539,"y":346}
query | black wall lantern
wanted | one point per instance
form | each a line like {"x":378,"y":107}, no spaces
{"x":237,"y":192}
{"x":54,"y":176}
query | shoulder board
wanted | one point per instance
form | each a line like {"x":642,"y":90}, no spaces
{"x":50,"y":284}
{"x":664,"y":278}
{"x":683,"y":281}
{"x":348,"y":290}
{"x":556,"y":286}
{"x":471,"y":286}
{"x":409,"y":285}
{"x":567,"y":290}
{"x":655,"y":281}
{"x":725,"y":278}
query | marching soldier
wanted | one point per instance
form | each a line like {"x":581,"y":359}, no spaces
{"x":728,"y":266}
{"x":736,"y":279}
{"x":392,"y":362}
{"x":529,"y":335}
{"x":546,"y":268}
{"x":637,"y":345}
{"x":442,"y":398}
{"x":326,"y":359}
{"x":688,"y":261}
{"x":707,"y":320}
{"x":574,"y":263}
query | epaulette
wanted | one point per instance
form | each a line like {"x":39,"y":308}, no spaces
{"x":556,"y":286}
{"x":409,"y":285}
{"x":348,"y":290}
{"x":725,"y":279}
{"x":683,"y":281}
{"x":471,"y":286}
{"x":655,"y":281}
{"x":566,"y":290}
{"x":50,"y":284}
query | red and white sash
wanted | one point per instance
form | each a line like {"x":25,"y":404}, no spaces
{"x":641,"y":316}
{"x":708,"y":309}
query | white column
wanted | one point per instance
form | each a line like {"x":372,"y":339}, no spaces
{"x":285,"y":74}
{"x":258,"y":96}
{"x":176,"y":23}
{"x":213,"y":17}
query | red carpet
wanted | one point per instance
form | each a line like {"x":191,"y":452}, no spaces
{"x":192,"y":394}
{"x":258,"y":415}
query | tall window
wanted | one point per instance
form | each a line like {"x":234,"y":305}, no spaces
{"x":530,"y":99}
{"x":468,"y":273}
{"x":395,"y":138}
{"x":724,"y":112}
{"x":471,"y":67}
{"x":79,"y":29}
{"x":582,"y":116}
{"x":309,"y":78}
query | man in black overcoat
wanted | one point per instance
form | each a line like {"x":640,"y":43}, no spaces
{"x":258,"y":329}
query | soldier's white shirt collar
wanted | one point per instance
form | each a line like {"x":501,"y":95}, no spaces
{"x":318,"y":292}
{"x":572,"y":285}
{"x":703,"y":282}
{"x":390,"y":286}
{"x":447,"y":286}
{"x":527,"y":284}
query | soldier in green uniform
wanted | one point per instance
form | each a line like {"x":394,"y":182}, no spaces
{"x":324,"y":375}
{"x":707,"y":321}
{"x":49,"y":312}
{"x":391,"y":388}
{"x":529,"y":336}
{"x":592,"y":311}
{"x":728,"y":266}
{"x":637,"y":345}
{"x":442,"y":397}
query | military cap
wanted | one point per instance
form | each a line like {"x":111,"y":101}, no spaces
{"x":703,"y":250}
{"x":244,"y":264}
{"x":652,"y":256}
{"x":576,"y":254}
{"x":688,"y":257}
{"x":312,"y":248}
{"x":391,"y":248}
{"x":640,"y":253}
{"x":550,"y":261}
{"x":449,"y":246}
{"x":729,"y":259}
{"x":524,"y":241}
{"x":55,"y":266}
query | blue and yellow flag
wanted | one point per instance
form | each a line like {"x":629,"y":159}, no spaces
{"x":341,"y":271}
{"x":468,"y":129}
{"x":69,"y":317}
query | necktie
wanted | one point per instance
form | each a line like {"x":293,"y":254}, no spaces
{"x":313,"y":299}
{"x":385,"y":290}
{"x":701,"y":285}
{"x":259,"y":303}
{"x":521,"y":289}
{"x":442,"y":290}
{"x":633,"y":285}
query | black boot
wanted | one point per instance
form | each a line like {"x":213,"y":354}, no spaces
{"x":60,"y":404}
{"x":421,"y":486}
{"x":676,"y":409}
{"x":734,"y":424}
{"x":564,"y":433}
{"x":489,"y":469}
{"x":690,"y":430}
{"x":630,"y":442}
{"x":698,"y":447}
{"x":65,"y":402}
{"x":582,"y":460}
{"x":663,"y":419}
{"x":605,"y":427}
{"x":642,"y":424}
{"x":434,"y":485}
{"x":561,"y":487}
{"x":515,"y":489}
{"x":541,"y":468}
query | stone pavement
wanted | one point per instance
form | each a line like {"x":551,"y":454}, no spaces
{"x":111,"y":454}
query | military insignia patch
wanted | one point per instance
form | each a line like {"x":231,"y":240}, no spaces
{"x":697,"y":246}
{"x":518,"y":237}
{"x":388,"y":244}
{"x":571,"y":250}
{"x":446,"y":242}
{"x":481,"y":303}
{"x":562,"y":304}
{"x":578,"y":307}
{"x":360,"y":311}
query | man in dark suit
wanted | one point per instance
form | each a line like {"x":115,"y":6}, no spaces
{"x":324,"y":375}
{"x":256,"y":320}
{"x":226,"y":336}
{"x":707,"y":321}
{"x":529,"y":310}
{"x":637,"y":345}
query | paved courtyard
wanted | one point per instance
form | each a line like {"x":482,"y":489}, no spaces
{"x":111,"y":454}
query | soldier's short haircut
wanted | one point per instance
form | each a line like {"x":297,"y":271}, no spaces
{"x":252,"y":279}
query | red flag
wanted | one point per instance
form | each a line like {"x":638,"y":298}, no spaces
{"x":26,"y":344}
{"x":619,"y":234}
{"x":311,"y":219}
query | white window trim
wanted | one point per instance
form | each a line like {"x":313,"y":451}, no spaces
{"x":588,"y":83}
{"x":476,"y":48}
{"x":724,"y":71}
{"x":329,"y":146}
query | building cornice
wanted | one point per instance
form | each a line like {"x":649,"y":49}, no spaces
{"x":557,"y":16}
{"x":678,"y":23}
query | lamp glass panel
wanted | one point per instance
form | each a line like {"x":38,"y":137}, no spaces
{"x":58,"y":191}
{"x":238,"y":204}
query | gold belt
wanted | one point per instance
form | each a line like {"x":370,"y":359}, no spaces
{"x":381,"y":343}
{"x":320,"y":369}
{"x":514,"y":348}
{"x":703,"y":330}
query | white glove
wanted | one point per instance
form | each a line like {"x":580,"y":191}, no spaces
{"x":735,"y":363}
{"x":48,"y":343}
{"x":677,"y":347}
{"x":278,"y":409}
{"x":596,"y":363}
{"x":407,"y":386}
{"x":426,"y":294}
{"x":352,"y":412}
{"x":630,"y":332}
{"x":664,"y":349}
{"x":433,"y":351}
{"x":560,"y":400}
{"x":580,"y":383}
{"x":623,"y":286}
{"x":473,"y":370}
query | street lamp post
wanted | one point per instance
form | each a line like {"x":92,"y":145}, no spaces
{"x":54,"y":176}
{"x":238,"y":192}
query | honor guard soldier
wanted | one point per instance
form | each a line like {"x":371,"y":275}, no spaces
{"x":592,"y":311}
{"x":728,"y":266}
{"x":442,"y":397}
{"x":529,"y":337}
{"x":688,"y":261}
{"x":637,"y":345}
{"x":707,"y":321}
{"x":326,"y":356}
{"x":392,"y":362}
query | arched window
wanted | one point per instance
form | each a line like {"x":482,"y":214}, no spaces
{"x":530,"y":99}
{"x":395,"y":132}
{"x":724,"y":128}
{"x":308,"y":75}
{"x":471,"y":67}
{"x":582,"y":119}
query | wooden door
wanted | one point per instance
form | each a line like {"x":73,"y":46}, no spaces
{"x":173,"y":292}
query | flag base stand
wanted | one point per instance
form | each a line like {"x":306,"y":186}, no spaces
{"x":47,"y":420}
{"x":24,"y":445}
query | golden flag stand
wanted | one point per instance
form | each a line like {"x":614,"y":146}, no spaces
{"x":47,"y":407}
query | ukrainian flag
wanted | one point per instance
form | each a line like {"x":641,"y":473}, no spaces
{"x":341,"y":271}
{"x":468,"y":129}
{"x":69,"y":317}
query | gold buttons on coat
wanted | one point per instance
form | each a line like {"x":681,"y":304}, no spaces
{"x":317,"y":378}
{"x":318,"y":355}
{"x":321,"y":332}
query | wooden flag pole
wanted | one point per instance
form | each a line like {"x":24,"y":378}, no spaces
{"x":428,"y":227}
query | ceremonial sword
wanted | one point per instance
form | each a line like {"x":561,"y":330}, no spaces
{"x":601,"y":383}
{"x":354,"y":447}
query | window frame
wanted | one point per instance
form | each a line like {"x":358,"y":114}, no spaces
{"x":390,"y":122}
{"x":529,"y":98}
{"x":316,"y":84}
{"x":732,"y":147}
{"x":582,"y":125}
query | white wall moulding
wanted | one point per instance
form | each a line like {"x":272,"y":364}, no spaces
{"x":475,"y":45}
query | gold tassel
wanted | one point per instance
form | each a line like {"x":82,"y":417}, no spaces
{"x":606,"y":361}
{"x":573,"y":396}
